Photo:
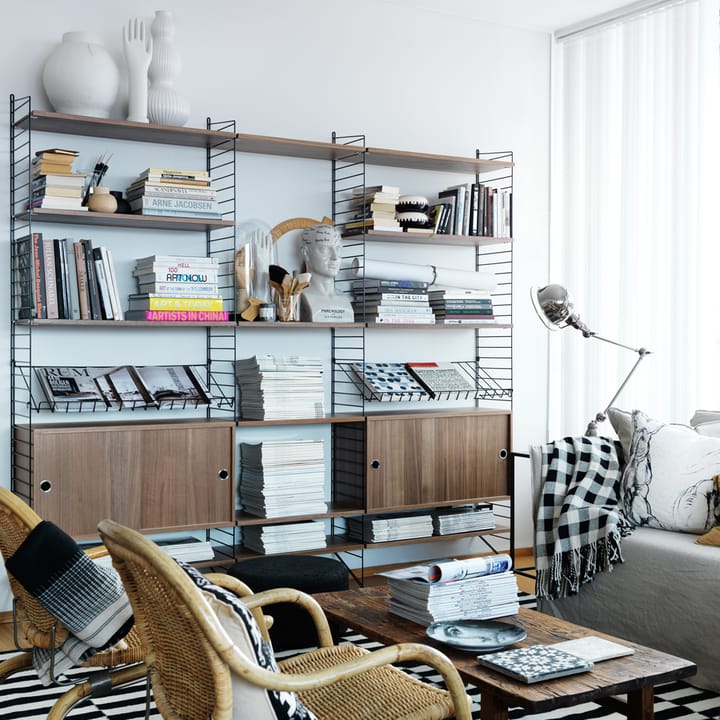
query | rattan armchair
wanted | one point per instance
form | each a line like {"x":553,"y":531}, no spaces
{"x":35,"y":627}
{"x":191,"y":659}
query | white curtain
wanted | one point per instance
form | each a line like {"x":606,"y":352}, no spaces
{"x":635,"y":214}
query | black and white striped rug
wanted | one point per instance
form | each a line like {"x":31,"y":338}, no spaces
{"x":23,"y":698}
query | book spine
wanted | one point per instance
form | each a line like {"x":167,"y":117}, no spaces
{"x":93,"y":290}
{"x":168,"y":203}
{"x":73,"y":286}
{"x":386,"y":297}
{"x":109,"y":268}
{"x":105,"y":303}
{"x":174,"y":261}
{"x":81,"y":281}
{"x":187,"y":315}
{"x":179,"y":303}
{"x":182,"y":289}
{"x":405,"y":319}
{"x":172,"y":191}
{"x":53,"y":311}
{"x":24,"y":279}
{"x":61,"y":279}
{"x":181,"y":276}
{"x":39,"y":276}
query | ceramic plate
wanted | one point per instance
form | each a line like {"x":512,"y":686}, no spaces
{"x":476,"y":635}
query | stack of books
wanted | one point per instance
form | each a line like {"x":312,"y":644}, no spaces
{"x":392,"y":302}
{"x":176,"y":288}
{"x":188,"y":549}
{"x":54,"y":184}
{"x":277,"y":387}
{"x":374,"y":209}
{"x":460,"y":306}
{"x":474,"y":209}
{"x":282,"y":478}
{"x":480,"y":588}
{"x":172,"y":192}
{"x":381,"y":528}
{"x":284,"y":538}
{"x":466,"y":518}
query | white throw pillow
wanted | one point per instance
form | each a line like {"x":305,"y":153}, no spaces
{"x":249,"y":701}
{"x":706,"y":422}
{"x":668,"y":480}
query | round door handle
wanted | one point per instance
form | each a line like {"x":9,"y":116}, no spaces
{"x":375,"y":464}
{"x":45,"y":486}
{"x":503,"y":454}
{"x":223,"y":473}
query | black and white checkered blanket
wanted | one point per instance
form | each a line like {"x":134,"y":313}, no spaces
{"x":579,"y":522}
{"x":87,"y":598}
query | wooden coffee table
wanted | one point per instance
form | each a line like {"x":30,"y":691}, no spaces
{"x":365,"y":611}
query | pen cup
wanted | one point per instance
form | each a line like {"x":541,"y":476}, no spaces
{"x":288,"y":307}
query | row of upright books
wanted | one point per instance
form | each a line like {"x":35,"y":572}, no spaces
{"x":412,"y":302}
{"x":479,"y":588}
{"x":174,"y":288}
{"x":61,"y":278}
{"x":174,"y":192}
{"x":475,"y":209}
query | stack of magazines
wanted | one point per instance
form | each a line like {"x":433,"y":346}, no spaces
{"x":383,"y":528}
{"x":274,"y":387}
{"x":478,"y":588}
{"x":290,"y":537}
{"x":465,"y":518}
{"x":282,"y":478}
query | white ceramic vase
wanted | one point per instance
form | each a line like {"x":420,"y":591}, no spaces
{"x":165,"y":105}
{"x":81,"y":77}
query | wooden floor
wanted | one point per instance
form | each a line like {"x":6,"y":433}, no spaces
{"x":525,"y":584}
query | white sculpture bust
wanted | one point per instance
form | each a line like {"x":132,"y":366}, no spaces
{"x":322,"y":251}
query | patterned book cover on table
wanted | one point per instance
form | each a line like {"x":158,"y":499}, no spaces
{"x":536,"y":663}
{"x":388,"y":380}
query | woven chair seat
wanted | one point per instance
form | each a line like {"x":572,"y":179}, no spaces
{"x":402,"y":698}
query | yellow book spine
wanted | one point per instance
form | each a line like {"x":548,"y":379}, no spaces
{"x":185,"y":303}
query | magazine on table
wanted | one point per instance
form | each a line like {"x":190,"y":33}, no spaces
{"x":449,"y":570}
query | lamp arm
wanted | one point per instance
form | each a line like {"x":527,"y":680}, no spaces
{"x":602,"y":416}
{"x":640,"y":351}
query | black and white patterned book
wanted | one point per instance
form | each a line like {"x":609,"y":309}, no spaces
{"x":536,"y":663}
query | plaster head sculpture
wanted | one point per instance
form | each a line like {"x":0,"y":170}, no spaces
{"x":321,"y":249}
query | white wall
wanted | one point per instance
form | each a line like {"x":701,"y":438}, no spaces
{"x":418,"y":81}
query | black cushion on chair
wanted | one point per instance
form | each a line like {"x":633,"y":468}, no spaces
{"x":292,"y":628}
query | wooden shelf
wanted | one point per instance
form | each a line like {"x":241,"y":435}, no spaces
{"x":288,"y":147}
{"x":335,"y":544}
{"x":157,"y":222}
{"x":410,"y":238}
{"x":324,"y":420}
{"x":431,"y":161}
{"x":133,"y":324}
{"x":114,"y":129}
{"x":440,"y":538}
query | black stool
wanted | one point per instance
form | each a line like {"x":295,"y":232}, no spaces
{"x":292,"y":627}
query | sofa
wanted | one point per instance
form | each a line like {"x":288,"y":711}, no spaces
{"x":664,"y":592}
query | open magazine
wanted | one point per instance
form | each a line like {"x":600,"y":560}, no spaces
{"x":443,"y":571}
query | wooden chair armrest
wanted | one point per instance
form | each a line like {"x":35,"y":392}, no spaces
{"x":96,"y":552}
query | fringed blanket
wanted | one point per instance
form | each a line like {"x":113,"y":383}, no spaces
{"x":579,"y":522}
{"x":88,"y":599}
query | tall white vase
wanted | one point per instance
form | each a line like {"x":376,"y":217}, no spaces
{"x":80,"y":76}
{"x":165,"y":105}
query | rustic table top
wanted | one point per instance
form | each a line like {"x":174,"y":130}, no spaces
{"x":365,"y":611}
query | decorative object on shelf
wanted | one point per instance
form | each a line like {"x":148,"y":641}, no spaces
{"x":412,"y":213}
{"x":321,"y":249}
{"x":98,"y":173}
{"x":252,"y":267}
{"x":80,"y":76}
{"x":165,"y":105}
{"x":123,"y":206}
{"x":101,"y":200}
{"x":431,"y":274}
{"x":137,"y":47}
{"x":555,"y":307}
{"x":286,"y":290}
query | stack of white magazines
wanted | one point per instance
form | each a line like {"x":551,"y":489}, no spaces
{"x":383,"y":528}
{"x":467,"y":518}
{"x":289,"y":537}
{"x":279,"y":387}
{"x":281,"y":478}
{"x":478,"y":588}
{"x":188,"y":549}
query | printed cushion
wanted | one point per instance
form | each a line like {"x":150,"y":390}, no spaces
{"x":249,"y":701}
{"x":668,"y":482}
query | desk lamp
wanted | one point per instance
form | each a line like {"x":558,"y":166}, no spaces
{"x":556,"y":309}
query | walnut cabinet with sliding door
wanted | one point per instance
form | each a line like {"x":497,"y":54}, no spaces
{"x":149,"y":476}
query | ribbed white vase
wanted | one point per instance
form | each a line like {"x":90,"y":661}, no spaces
{"x":81,"y":77}
{"x":165,"y":105}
